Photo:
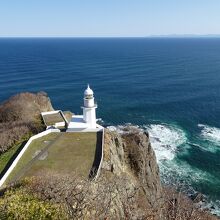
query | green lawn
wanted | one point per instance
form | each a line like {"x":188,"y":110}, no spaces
{"x":36,"y":145}
{"x":65,"y":153}
{"x":5,"y":157}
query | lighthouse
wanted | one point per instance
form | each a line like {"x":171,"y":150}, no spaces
{"x":89,"y":108}
{"x":87,"y":121}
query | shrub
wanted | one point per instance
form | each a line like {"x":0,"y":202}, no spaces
{"x":20,"y":204}
{"x":20,"y":116}
{"x":179,"y":207}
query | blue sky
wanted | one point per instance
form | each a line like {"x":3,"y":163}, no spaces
{"x":108,"y":18}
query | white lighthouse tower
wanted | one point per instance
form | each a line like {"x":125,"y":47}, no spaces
{"x":87,"y":121}
{"x":89,"y":108}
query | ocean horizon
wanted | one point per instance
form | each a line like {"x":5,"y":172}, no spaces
{"x":168,"y":86}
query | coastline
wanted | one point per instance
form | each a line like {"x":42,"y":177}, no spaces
{"x":173,"y":175}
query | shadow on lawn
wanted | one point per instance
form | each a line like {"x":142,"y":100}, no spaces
{"x":12,"y":159}
{"x":98,"y":155}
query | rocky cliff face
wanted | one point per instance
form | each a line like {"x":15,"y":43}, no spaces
{"x":129,"y":153}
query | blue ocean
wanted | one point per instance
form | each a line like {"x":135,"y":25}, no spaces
{"x":168,"y":86}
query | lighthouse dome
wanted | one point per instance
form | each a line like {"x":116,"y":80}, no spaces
{"x":88,"y":92}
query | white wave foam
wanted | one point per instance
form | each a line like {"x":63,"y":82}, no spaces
{"x":123,"y":129}
{"x":112,"y":128}
{"x":165,"y":139}
{"x":100,"y":120}
{"x":210,"y":133}
{"x":212,"y":206}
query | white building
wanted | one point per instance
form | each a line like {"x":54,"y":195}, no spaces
{"x":87,"y":121}
{"x":89,"y":108}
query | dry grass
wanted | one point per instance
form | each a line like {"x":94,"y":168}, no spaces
{"x":52,"y":119}
{"x":13,"y":132}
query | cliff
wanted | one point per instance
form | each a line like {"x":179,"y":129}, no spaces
{"x":129,"y":153}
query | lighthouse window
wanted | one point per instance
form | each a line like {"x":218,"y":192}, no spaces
{"x":89,"y":96}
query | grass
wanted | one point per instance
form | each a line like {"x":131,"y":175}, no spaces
{"x":36,"y":145}
{"x":67,"y":153}
{"x":51,"y":119}
{"x":5,"y":157}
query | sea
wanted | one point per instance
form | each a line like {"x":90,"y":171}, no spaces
{"x":167,"y":86}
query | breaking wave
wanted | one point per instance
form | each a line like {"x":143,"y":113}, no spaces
{"x":116,"y":128}
{"x":165,"y":139}
{"x":170,"y":140}
{"x":121,"y":129}
{"x":100,"y":121}
{"x":210,"y":133}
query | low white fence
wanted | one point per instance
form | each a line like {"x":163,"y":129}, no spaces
{"x":50,"y":112}
{"x":59,"y":124}
{"x":14,"y":163}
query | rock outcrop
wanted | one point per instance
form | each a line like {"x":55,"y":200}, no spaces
{"x":25,"y":107}
{"x":20,"y":116}
{"x":129,"y":153}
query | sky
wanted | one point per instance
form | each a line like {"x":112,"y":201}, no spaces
{"x":108,"y":18}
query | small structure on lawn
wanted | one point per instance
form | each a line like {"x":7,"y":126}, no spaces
{"x":55,"y":119}
{"x":75,"y":123}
